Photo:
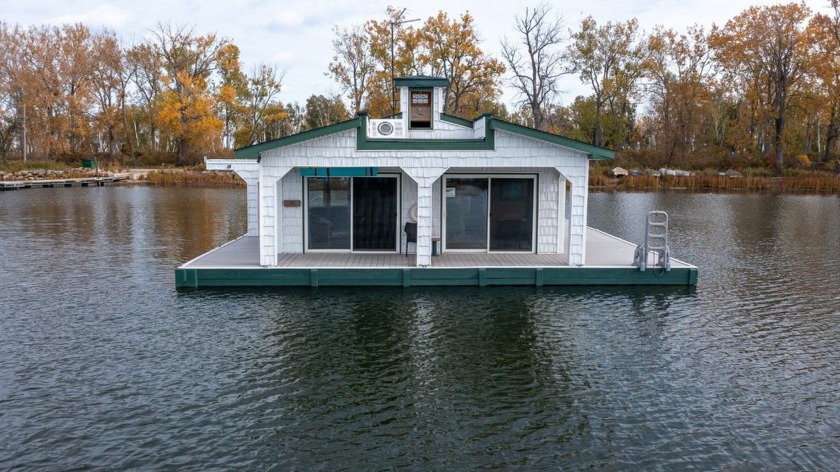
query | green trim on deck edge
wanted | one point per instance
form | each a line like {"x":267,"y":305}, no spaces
{"x":431,"y":277}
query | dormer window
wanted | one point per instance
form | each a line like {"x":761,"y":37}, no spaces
{"x":420,"y":109}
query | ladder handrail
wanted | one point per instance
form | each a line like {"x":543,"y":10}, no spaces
{"x":656,"y":242}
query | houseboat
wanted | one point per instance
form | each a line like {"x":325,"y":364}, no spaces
{"x":424,"y":199}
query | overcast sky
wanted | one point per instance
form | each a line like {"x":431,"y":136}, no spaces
{"x":296,"y":35}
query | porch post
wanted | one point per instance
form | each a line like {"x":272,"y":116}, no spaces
{"x":424,"y":223}
{"x":577,"y":223}
{"x":270,"y":213}
{"x":425,"y":178}
{"x":562,"y":229}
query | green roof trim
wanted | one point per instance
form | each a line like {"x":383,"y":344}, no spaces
{"x":594,"y":152}
{"x":488,"y":143}
{"x":421,"y":81}
{"x":253,"y":152}
{"x":456,"y":121}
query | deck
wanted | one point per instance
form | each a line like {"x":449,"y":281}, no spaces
{"x":609,"y":262}
{"x":53,"y":183}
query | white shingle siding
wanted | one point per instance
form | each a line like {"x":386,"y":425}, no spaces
{"x":292,"y":217}
{"x":547,"y":204}
{"x":421,"y":183}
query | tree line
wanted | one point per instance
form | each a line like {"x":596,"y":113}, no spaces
{"x":67,"y":92}
{"x":761,"y":90}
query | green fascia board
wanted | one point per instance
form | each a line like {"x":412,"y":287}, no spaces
{"x":253,"y":152}
{"x":456,"y":121}
{"x":594,"y":152}
{"x":421,"y":81}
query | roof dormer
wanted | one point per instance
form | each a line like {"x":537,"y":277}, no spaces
{"x":421,"y":101}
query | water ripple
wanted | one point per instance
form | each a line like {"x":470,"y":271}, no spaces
{"x":112,"y":369}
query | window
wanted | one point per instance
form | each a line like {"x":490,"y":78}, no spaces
{"x":420,"y":109}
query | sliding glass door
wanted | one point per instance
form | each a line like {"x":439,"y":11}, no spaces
{"x":511,"y":214}
{"x":489,"y":213}
{"x":328,"y":212}
{"x":466,"y":213}
{"x":352,"y":213}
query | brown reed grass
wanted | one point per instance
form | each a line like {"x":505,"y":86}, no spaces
{"x":183,"y":177}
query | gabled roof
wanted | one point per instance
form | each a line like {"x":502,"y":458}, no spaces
{"x":479,"y":144}
{"x":253,"y":151}
{"x":594,"y":152}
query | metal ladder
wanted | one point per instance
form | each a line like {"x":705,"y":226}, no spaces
{"x":656,"y":242}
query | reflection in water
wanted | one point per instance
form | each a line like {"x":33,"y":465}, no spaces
{"x":172,"y":224}
{"x":104,"y":365}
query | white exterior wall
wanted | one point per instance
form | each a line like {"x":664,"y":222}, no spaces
{"x":577,"y":218}
{"x":270,"y":208}
{"x":442,"y":130}
{"x":548,"y":211}
{"x":424,"y":169}
{"x":291,"y":224}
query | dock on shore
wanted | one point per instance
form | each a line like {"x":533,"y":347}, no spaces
{"x":52,"y":183}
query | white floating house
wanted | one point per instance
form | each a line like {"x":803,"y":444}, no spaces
{"x":423,"y":198}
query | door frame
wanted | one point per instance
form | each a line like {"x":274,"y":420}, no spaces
{"x":489,"y":176}
{"x":398,"y":230}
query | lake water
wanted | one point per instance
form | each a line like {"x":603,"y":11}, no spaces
{"x":104,"y":365}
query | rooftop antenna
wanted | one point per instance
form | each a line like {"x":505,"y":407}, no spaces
{"x":394,"y":24}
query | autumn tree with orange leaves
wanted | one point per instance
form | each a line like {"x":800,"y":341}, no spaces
{"x":440,"y":47}
{"x":763,"y":50}
{"x":186,"y":110}
{"x":679,"y":73}
{"x":451,"y":50}
{"x":611,"y":59}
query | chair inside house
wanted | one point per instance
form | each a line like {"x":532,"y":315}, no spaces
{"x":410,"y":236}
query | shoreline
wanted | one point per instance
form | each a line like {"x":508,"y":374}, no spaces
{"x":146,"y":176}
{"x":805,"y":184}
{"x":788,"y":185}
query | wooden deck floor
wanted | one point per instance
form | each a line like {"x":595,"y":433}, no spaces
{"x":603,"y":250}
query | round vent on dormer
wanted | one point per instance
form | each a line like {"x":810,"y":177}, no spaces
{"x":384,"y":128}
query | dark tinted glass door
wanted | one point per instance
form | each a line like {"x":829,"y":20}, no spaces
{"x":511,"y":214}
{"x":374,"y":214}
{"x":466,"y":213}
{"x":328,"y":201}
